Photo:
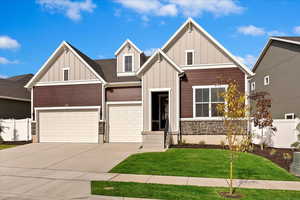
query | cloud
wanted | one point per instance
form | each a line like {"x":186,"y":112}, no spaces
{"x":4,"y":60}
{"x":7,"y":42}
{"x":72,"y":9}
{"x":154,"y":7}
{"x":194,"y":8}
{"x":296,"y":30}
{"x":248,"y":60}
{"x":251,"y":30}
{"x":275,"y":33}
{"x":3,"y":76}
{"x":150,"y":52}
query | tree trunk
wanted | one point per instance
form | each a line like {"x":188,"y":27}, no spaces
{"x":231,"y":175}
{"x":262,"y":140}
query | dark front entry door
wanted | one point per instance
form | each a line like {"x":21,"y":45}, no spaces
{"x":163,"y":112}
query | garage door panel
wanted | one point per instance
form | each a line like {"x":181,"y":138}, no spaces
{"x":69,"y":126}
{"x":125,"y":123}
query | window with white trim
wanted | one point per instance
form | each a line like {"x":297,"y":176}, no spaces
{"x":189,"y":55}
{"x":252,"y":87}
{"x":66,"y":74}
{"x":267,"y":80}
{"x":289,"y":116}
{"x":128,"y":63}
{"x":206,"y":99}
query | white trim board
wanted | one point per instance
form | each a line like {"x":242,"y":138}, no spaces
{"x":98,"y":108}
{"x":212,"y":39}
{"x":45,"y":65}
{"x":68,"y":82}
{"x":123,"y":84}
{"x":123,"y":102}
{"x":208,"y":66}
{"x":123,"y":45}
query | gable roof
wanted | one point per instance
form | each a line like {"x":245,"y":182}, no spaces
{"x":13,"y":88}
{"x":291,"y":40}
{"x":212,"y":39}
{"x":127,"y":42}
{"x":82,"y":57}
{"x":159,"y":51}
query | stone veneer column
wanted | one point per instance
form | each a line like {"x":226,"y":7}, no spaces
{"x":34,"y":132}
{"x":101,"y":132}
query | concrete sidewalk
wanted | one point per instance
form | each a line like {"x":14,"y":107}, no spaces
{"x":76,"y":176}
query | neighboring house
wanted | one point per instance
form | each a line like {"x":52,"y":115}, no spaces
{"x":277,"y":72}
{"x":14,"y":98}
{"x":77,"y":99}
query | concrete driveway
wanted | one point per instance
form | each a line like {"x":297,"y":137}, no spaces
{"x":59,"y":170}
{"x":68,"y":156}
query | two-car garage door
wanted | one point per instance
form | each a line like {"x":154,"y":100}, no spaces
{"x":69,"y":126}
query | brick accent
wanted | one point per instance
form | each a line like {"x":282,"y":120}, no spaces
{"x":209,"y":127}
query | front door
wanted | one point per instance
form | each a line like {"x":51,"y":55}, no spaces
{"x":163,"y":111}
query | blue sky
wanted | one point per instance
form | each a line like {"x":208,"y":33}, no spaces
{"x":31,"y":30}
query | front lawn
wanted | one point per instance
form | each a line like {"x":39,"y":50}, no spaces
{"x":5,"y":146}
{"x":173,"y":192}
{"x":211,"y":163}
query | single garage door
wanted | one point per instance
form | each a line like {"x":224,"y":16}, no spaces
{"x":69,"y":126}
{"x":125,"y":123}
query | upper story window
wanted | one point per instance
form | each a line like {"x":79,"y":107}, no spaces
{"x":66,"y":74}
{"x":128,"y":63}
{"x":252,"y":87}
{"x":189,"y":54}
{"x":206,"y":99}
{"x":267,"y":80}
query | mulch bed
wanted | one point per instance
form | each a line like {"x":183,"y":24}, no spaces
{"x":277,"y":157}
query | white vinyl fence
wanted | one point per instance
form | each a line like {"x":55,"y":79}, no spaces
{"x":285,"y":135}
{"x":16,"y":129}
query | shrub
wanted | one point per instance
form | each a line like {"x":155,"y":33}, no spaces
{"x":287,"y":156}
{"x":222,"y":144}
{"x":273,"y":152}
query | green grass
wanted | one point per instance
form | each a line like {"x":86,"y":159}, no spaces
{"x":5,"y":146}
{"x":173,"y":192}
{"x":211,"y":163}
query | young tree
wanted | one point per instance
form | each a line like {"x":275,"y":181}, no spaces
{"x":262,"y":117}
{"x":234,"y":113}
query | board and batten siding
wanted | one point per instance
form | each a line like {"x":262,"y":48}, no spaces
{"x":161,"y":75}
{"x":67,"y":59}
{"x":281,"y":64}
{"x":205,"y":52}
{"x":120,"y":57}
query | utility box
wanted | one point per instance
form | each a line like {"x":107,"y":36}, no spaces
{"x":295,"y":166}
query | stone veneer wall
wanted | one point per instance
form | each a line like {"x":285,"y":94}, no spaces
{"x":208,"y":127}
{"x":205,"y":127}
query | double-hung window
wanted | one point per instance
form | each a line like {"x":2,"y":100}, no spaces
{"x":65,"y":74}
{"x":189,"y":57}
{"x":206,"y":99}
{"x":128,"y":63}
